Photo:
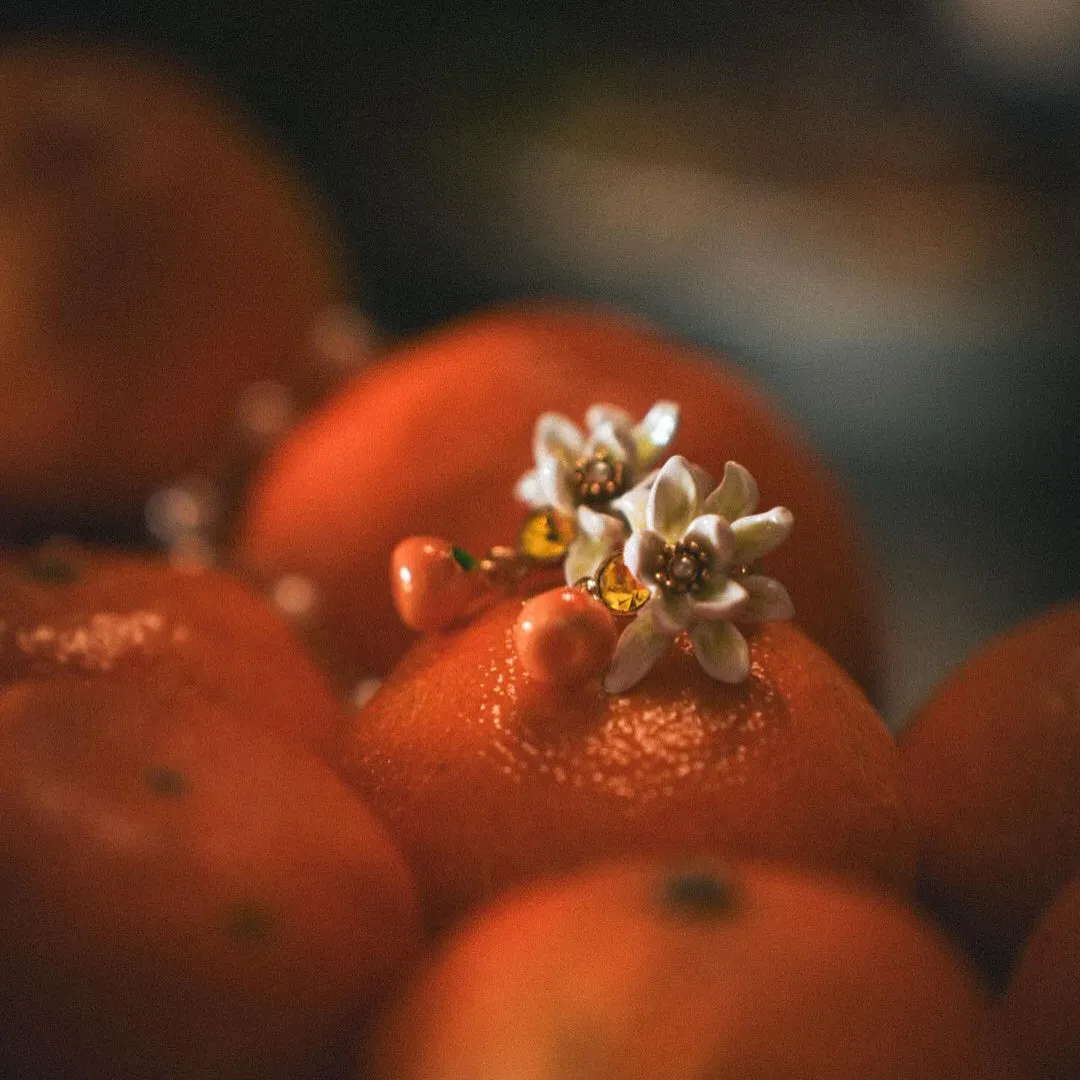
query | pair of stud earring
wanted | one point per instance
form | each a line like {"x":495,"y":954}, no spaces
{"x":672,"y":553}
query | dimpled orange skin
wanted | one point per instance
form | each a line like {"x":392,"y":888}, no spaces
{"x":156,"y":259}
{"x":992,"y":770}
{"x":72,"y":613}
{"x":181,"y":893}
{"x":679,"y":971}
{"x":1040,"y":1011}
{"x":434,"y":438}
{"x":486,"y":777}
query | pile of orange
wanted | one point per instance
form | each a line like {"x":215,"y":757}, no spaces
{"x":218,"y":861}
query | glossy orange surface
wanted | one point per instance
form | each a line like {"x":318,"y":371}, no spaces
{"x":155,"y":259}
{"x":679,"y":970}
{"x":433,"y":439}
{"x":992,"y":768}
{"x":487,"y":777}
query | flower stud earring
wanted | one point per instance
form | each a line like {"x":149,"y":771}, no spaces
{"x":695,"y":555}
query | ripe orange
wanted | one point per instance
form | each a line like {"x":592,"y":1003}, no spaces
{"x":687,"y":969}
{"x":992,"y":768}
{"x":486,"y":777}
{"x":1040,"y":1011}
{"x":156,"y":258}
{"x":432,"y":441}
{"x":75,"y":614}
{"x":181,"y":893}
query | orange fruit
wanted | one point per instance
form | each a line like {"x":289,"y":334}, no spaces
{"x":1040,"y":1011}
{"x":181,"y":893}
{"x":992,"y":769}
{"x":75,"y":614}
{"x":681,"y":970}
{"x":157,"y":258}
{"x":486,"y":777}
{"x":431,"y":442}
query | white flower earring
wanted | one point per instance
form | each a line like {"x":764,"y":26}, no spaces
{"x":669,"y":550}
{"x":695,"y":557}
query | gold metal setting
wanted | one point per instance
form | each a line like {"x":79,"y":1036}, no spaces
{"x":683,"y":567}
{"x":598,"y":478}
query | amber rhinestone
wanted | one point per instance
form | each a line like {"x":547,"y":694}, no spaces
{"x":617,"y":589}
{"x":546,"y":535}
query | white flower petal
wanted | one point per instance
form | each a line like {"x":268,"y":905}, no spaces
{"x":555,"y":484}
{"x":598,"y":537}
{"x":722,"y":651}
{"x":768,"y":600}
{"x":703,"y":481}
{"x":757,"y":535}
{"x":584,"y":557}
{"x":674,"y":612}
{"x":640,"y":555}
{"x":656,"y":432}
{"x":530,"y":490}
{"x":726,"y":601}
{"x":737,"y":494}
{"x":632,"y":504}
{"x":599,"y":526}
{"x":617,"y":442}
{"x":642,"y":643}
{"x":602,"y":413}
{"x":556,"y":436}
{"x":715,"y":535}
{"x":673,"y":500}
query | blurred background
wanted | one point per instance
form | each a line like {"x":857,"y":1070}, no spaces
{"x":873,"y":208}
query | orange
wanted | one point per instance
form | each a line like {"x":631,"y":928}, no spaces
{"x":181,"y":893}
{"x":156,"y":258}
{"x":432,"y":441}
{"x":1040,"y":1011}
{"x":486,"y":777}
{"x":69,"y":613}
{"x":679,"y":970}
{"x":992,"y":768}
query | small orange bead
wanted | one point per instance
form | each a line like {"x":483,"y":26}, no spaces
{"x":565,"y":636}
{"x":431,"y":587}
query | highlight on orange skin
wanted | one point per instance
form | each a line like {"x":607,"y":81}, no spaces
{"x":71,"y":613}
{"x":433,"y":439}
{"x":685,"y":968}
{"x":487,"y":776}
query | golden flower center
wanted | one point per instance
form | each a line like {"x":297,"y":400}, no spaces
{"x":598,"y":478}
{"x":683,"y":567}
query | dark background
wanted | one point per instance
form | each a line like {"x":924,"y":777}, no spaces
{"x":872,"y":208}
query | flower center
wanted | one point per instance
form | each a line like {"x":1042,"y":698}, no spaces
{"x":598,"y":478}
{"x":683,"y":567}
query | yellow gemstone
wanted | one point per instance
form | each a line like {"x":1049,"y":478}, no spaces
{"x":546,"y":535}
{"x":618,"y":589}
